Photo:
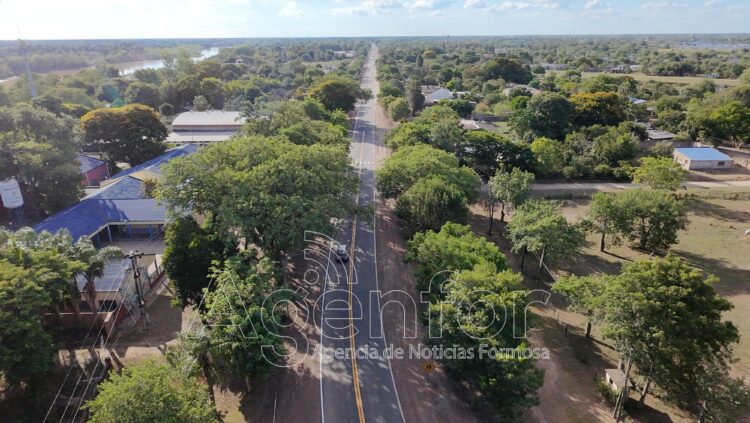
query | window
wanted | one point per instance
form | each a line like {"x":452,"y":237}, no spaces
{"x":722,"y":163}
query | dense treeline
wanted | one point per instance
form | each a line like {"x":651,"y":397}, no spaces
{"x":239,"y":78}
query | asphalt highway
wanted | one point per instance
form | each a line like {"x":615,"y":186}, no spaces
{"x":358,"y":387}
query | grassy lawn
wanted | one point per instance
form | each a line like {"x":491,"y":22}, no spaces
{"x":713,"y":242}
{"x":670,"y":79}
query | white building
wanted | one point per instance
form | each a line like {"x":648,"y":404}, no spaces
{"x":697,"y":158}
{"x":204,"y":128}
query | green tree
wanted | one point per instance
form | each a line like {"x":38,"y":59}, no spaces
{"x":660,"y":173}
{"x":656,"y":217}
{"x":507,"y":69}
{"x":487,"y":152}
{"x":213,"y":90}
{"x":143,"y":93}
{"x":547,"y":115}
{"x":26,"y":350}
{"x":133,"y":133}
{"x":398,"y":109}
{"x":150,"y":392}
{"x":608,"y":217}
{"x":410,"y":164}
{"x":336,"y":92}
{"x":600,"y":108}
{"x":732,"y":121}
{"x":539,"y":227}
{"x":38,"y":149}
{"x":473,"y":313}
{"x":189,"y":254}
{"x":550,"y":156}
{"x":200,"y":103}
{"x":414,"y":95}
{"x":668,"y":315}
{"x":36,"y":275}
{"x":267,"y":191}
{"x":242,"y":326}
{"x":430,"y":203}
{"x":581,"y":293}
{"x":454,"y":248}
{"x":94,"y":260}
{"x":511,"y":189}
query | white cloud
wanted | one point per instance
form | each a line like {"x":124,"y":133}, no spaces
{"x":473,"y":4}
{"x":661,"y":6}
{"x":712,"y":3}
{"x":368,"y":7}
{"x":598,"y":8}
{"x":511,"y":5}
{"x":291,"y":9}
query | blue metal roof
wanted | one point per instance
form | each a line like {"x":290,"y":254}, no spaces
{"x":155,"y":164}
{"x":86,"y":163}
{"x":87,"y":217}
{"x":127,"y":188}
{"x":121,"y":201}
{"x":703,"y":154}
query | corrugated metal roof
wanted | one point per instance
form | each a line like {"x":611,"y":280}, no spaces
{"x":123,"y":200}
{"x":111,"y":280}
{"x":86,"y":163}
{"x":656,"y":134}
{"x":208,"y":118}
{"x":703,"y":154}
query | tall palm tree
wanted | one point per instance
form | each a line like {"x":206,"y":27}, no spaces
{"x":94,"y":263}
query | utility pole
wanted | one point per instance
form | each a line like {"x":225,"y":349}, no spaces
{"x":29,"y":76}
{"x":625,"y":390}
{"x":134,"y":256}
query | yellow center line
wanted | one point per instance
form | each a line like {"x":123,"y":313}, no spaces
{"x":352,"y":343}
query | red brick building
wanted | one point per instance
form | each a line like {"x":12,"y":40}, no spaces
{"x":93,"y":170}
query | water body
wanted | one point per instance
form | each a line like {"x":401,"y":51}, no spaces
{"x":128,"y":68}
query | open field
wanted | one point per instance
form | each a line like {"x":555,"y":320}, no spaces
{"x":713,"y":242}
{"x":575,"y":363}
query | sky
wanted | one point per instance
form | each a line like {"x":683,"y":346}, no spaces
{"x":100,"y":19}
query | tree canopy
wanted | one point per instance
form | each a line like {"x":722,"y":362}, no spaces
{"x":132,"y":134}
{"x":39,"y":149}
{"x":409,"y":164}
{"x":668,"y":316}
{"x":150,"y":392}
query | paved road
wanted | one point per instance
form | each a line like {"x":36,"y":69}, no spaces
{"x":358,"y":389}
{"x":615,"y":186}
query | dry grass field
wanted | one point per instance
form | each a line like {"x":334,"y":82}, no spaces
{"x":714,"y":242}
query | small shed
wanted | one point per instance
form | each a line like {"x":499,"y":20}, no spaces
{"x":698,"y":158}
{"x":655,"y":135}
{"x":93,"y":170}
{"x":615,"y":378}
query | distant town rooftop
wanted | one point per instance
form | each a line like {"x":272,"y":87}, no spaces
{"x":208,"y":118}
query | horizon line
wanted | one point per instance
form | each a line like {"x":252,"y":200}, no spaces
{"x":633,"y":34}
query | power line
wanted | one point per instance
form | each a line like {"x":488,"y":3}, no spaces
{"x":144,"y":243}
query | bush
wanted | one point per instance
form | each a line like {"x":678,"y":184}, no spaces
{"x":603,"y":389}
